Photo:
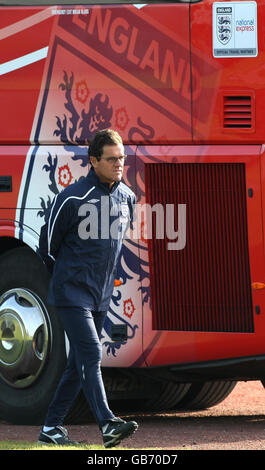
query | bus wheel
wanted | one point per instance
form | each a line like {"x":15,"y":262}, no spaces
{"x":130,"y":393}
{"x":170,"y":395}
{"x":202,"y":395}
{"x":32,"y":346}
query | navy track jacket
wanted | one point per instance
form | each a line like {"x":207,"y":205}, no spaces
{"x":81,"y":241}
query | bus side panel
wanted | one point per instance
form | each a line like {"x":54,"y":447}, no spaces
{"x":237,"y":113}
{"x":24,"y":45}
{"x":117,"y":66}
{"x":12,"y":161}
{"x":195,"y":307}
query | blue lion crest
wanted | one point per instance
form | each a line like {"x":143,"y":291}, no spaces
{"x":75,"y":131}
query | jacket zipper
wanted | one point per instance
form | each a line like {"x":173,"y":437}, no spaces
{"x":110,"y":255}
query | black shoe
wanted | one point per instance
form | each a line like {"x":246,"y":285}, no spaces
{"x":117,"y":429}
{"x":58,"y":435}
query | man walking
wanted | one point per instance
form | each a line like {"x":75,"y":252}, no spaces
{"x":81,"y":253}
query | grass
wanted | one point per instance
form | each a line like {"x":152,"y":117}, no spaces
{"x":27,"y":445}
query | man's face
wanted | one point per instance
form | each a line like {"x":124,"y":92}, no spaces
{"x":110,"y":167}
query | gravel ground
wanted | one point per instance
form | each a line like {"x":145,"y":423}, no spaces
{"x":238,"y":423}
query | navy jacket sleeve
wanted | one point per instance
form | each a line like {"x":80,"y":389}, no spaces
{"x":58,"y":222}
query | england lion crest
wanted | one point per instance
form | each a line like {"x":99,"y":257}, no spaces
{"x":224,"y":28}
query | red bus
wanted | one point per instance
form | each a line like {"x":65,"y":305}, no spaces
{"x":183,"y":83}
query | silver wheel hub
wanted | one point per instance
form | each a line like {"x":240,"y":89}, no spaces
{"x":24,"y":337}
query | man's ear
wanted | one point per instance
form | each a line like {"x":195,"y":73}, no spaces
{"x":93,"y":161}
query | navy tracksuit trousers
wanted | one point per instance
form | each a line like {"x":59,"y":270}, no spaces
{"x":83,"y":328}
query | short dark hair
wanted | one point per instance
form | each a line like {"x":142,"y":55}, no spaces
{"x":101,"y":138}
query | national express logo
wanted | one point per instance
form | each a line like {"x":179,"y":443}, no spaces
{"x":245,"y":24}
{"x":227,"y":23}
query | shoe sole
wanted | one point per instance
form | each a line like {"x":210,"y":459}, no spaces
{"x":120,"y":438}
{"x":57,"y":444}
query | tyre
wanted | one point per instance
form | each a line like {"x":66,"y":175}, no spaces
{"x":32,"y":343}
{"x":170,"y":394}
{"x":130,"y":392}
{"x":202,"y":395}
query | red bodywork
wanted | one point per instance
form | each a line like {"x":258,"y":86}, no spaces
{"x":167,"y":93}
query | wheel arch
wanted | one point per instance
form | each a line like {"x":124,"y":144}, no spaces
{"x":14,"y":235}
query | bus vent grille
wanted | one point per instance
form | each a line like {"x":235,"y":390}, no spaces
{"x":238,"y":112}
{"x":205,"y":285}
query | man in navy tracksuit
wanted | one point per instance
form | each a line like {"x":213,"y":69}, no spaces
{"x":80,"y":245}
